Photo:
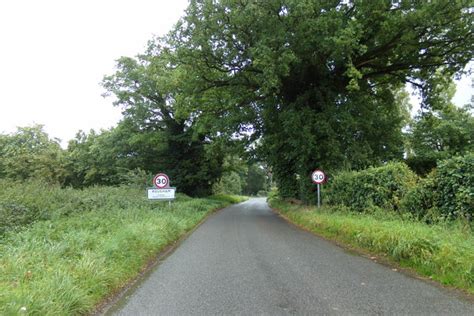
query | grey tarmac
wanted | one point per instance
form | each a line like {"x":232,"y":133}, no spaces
{"x":246,"y":260}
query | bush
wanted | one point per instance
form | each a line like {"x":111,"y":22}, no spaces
{"x":230,"y":183}
{"x":136,"y":178}
{"x":383,"y":187}
{"x":446,"y":193}
{"x":273,"y":194}
{"x":455,"y":184}
{"x":420,"y":200}
{"x":24,"y":203}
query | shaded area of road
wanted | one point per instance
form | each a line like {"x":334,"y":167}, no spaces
{"x":247,"y":260}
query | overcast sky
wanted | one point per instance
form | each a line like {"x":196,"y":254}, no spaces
{"x":54,"y":53}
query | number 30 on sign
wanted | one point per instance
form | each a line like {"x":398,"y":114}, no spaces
{"x":318,"y":176}
{"x":161,"y":180}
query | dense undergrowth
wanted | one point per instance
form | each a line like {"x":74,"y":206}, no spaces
{"x":62,"y":251}
{"x":442,"y":251}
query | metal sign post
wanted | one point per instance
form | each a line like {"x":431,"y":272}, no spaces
{"x":318,"y":178}
{"x":319,"y":195}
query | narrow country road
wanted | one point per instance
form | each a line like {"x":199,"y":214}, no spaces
{"x":246,"y":260}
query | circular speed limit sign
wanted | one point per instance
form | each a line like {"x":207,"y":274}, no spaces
{"x":161,"y":180}
{"x":318,"y":176}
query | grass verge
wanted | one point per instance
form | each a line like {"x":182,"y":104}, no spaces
{"x":66,"y":264}
{"x":441,"y":252}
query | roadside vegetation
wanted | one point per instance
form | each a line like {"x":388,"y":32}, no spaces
{"x":421,"y":223}
{"x":443,"y":252}
{"x":62,"y":251}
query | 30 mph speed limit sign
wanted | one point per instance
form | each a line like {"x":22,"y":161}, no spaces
{"x":318,"y":176}
{"x":161,"y":181}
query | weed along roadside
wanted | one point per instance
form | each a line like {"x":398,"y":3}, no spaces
{"x":444,"y":253}
{"x":86,"y":245}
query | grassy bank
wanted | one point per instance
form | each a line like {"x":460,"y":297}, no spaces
{"x":443,"y":252}
{"x":65,"y":260}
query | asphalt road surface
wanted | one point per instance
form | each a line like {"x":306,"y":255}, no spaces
{"x":246,"y":260}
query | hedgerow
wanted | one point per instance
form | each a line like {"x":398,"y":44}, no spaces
{"x":382,"y":187}
{"x":446,"y":193}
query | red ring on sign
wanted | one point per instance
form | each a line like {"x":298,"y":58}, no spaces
{"x":318,"y":181}
{"x":166,"y":185}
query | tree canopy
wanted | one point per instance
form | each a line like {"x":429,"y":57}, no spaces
{"x":442,"y":131}
{"x":158,"y":138}
{"x":317,"y":83}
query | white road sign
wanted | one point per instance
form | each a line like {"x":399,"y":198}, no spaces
{"x":161,"y":181}
{"x":161,"y":194}
{"x":318,"y":176}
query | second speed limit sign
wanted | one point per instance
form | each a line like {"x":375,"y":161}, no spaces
{"x":318,"y":176}
{"x":161,"y":180}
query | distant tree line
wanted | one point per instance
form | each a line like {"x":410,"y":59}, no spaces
{"x":122,"y":156}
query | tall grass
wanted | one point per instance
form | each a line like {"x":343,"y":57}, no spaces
{"x":84,"y":245}
{"x":443,"y":252}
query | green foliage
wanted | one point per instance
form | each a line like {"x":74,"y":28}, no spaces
{"x":455,"y":186}
{"x":442,"y":252}
{"x":22,"y":203}
{"x":438,"y":135}
{"x":94,"y":159}
{"x":30,"y":153}
{"x":304,"y":84}
{"x":112,"y":156}
{"x":230,"y":183}
{"x":136,"y":178}
{"x":421,"y":199}
{"x":88,"y":245}
{"x":354,"y":135}
{"x":229,"y":198}
{"x":241,"y":177}
{"x":273,"y":194}
{"x":257,"y":181}
{"x":446,"y":193}
{"x":153,"y":135}
{"x":318,"y":84}
{"x":382,"y":187}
